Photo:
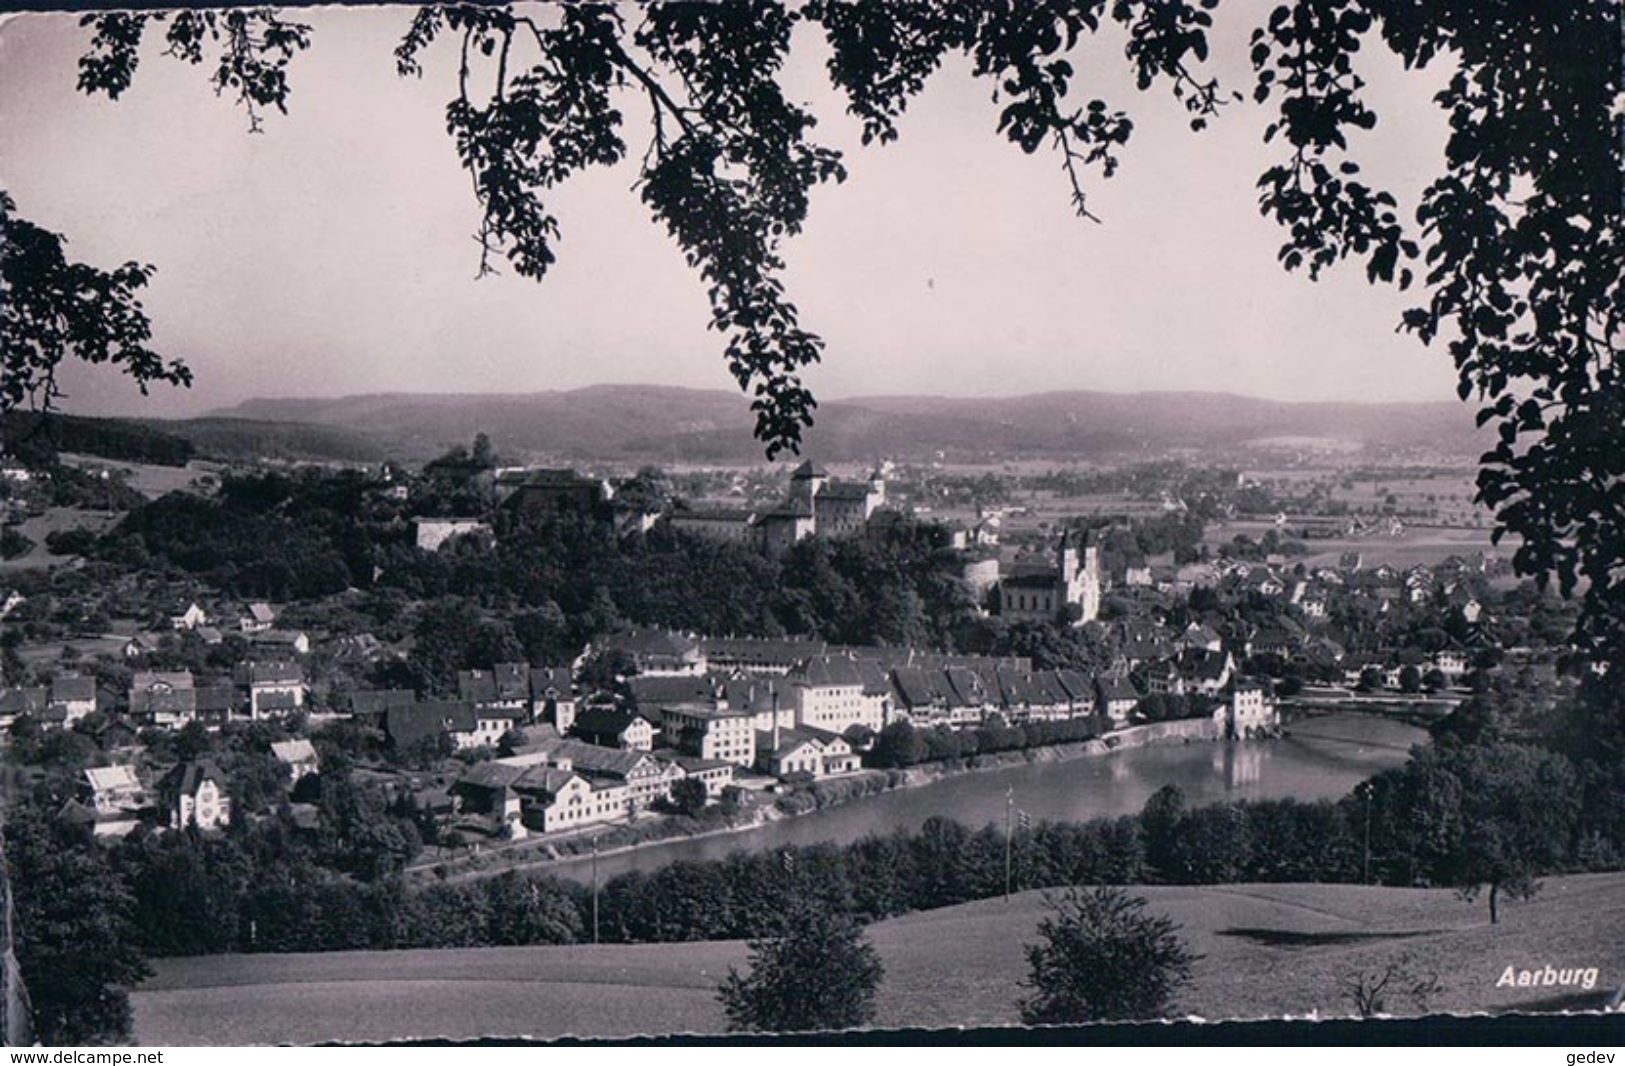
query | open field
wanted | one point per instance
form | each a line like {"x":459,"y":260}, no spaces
{"x":151,"y":480}
{"x":1267,"y":950}
{"x":55,"y":520}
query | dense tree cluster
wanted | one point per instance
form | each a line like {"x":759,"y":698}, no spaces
{"x":901,"y":744}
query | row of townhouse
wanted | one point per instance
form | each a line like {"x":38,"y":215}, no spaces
{"x":257,"y":690}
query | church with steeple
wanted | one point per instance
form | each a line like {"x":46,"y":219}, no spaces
{"x":1065,"y":588}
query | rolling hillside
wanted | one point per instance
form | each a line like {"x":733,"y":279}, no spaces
{"x":1268,"y":950}
{"x":175,"y":442}
{"x":652,"y":423}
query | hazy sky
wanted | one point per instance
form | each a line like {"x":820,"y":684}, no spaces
{"x":333,"y":253}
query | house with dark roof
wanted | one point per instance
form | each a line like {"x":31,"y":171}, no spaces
{"x":553,"y":696}
{"x":76,"y":696}
{"x":257,"y":619}
{"x":1116,"y":697}
{"x":532,"y":494}
{"x":16,"y":703}
{"x":194,"y":794}
{"x":725,"y":524}
{"x":654,"y":652}
{"x":505,"y":685}
{"x":611,"y":727}
{"x":163,"y":698}
{"x":283,"y":643}
{"x":651,"y":694}
{"x":758,"y":655}
{"x":410,"y":726}
{"x":274,"y":688}
{"x":298,"y":755}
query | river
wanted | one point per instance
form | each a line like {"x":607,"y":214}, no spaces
{"x":1321,"y":758}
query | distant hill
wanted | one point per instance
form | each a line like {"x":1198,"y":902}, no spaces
{"x":28,"y":434}
{"x":655,"y":423}
{"x":245,"y":439}
{"x":165,"y":442}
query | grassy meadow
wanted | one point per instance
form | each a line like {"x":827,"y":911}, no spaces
{"x":1268,"y":950}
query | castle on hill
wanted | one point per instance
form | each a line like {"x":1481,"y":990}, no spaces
{"x":817,"y":505}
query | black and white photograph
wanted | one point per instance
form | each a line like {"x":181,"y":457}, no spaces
{"x":794,"y":521}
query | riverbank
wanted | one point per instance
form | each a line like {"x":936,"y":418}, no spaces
{"x":622,"y":841}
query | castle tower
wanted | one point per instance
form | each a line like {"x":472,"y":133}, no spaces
{"x":877,"y":489}
{"x":806,"y":482}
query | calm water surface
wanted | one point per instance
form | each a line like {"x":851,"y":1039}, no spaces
{"x":1322,"y":758}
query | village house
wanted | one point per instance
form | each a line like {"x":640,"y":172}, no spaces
{"x":257,"y":619}
{"x":506,"y":686}
{"x":370,"y":704}
{"x":552,"y":697}
{"x":113,"y":802}
{"x":611,"y":727}
{"x":1117,"y":697}
{"x":194,"y":794}
{"x":715,"y":774}
{"x":299,"y":756}
{"x":1206,"y":672}
{"x":18,"y":703}
{"x":274,"y":688}
{"x":654,"y":652}
{"x":189,"y":616}
{"x":284,"y":642}
{"x":414,"y":726}
{"x":1252,"y":713}
{"x":163,"y":698}
{"x":215,"y":703}
{"x":114,"y":788}
{"x":143,"y":643}
{"x":1451,"y":662}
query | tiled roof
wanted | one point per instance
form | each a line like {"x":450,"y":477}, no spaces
{"x":187,"y":777}
{"x":292,"y":751}
{"x":273,"y":673}
{"x":70,"y":688}
{"x":217,"y":698}
{"x":604,"y":721}
{"x":23,"y":700}
{"x":658,"y":691}
{"x":827,"y":671}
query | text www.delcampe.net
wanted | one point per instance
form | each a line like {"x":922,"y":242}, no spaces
{"x":86,"y":1058}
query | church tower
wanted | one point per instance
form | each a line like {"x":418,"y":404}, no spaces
{"x":1080,"y":577}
